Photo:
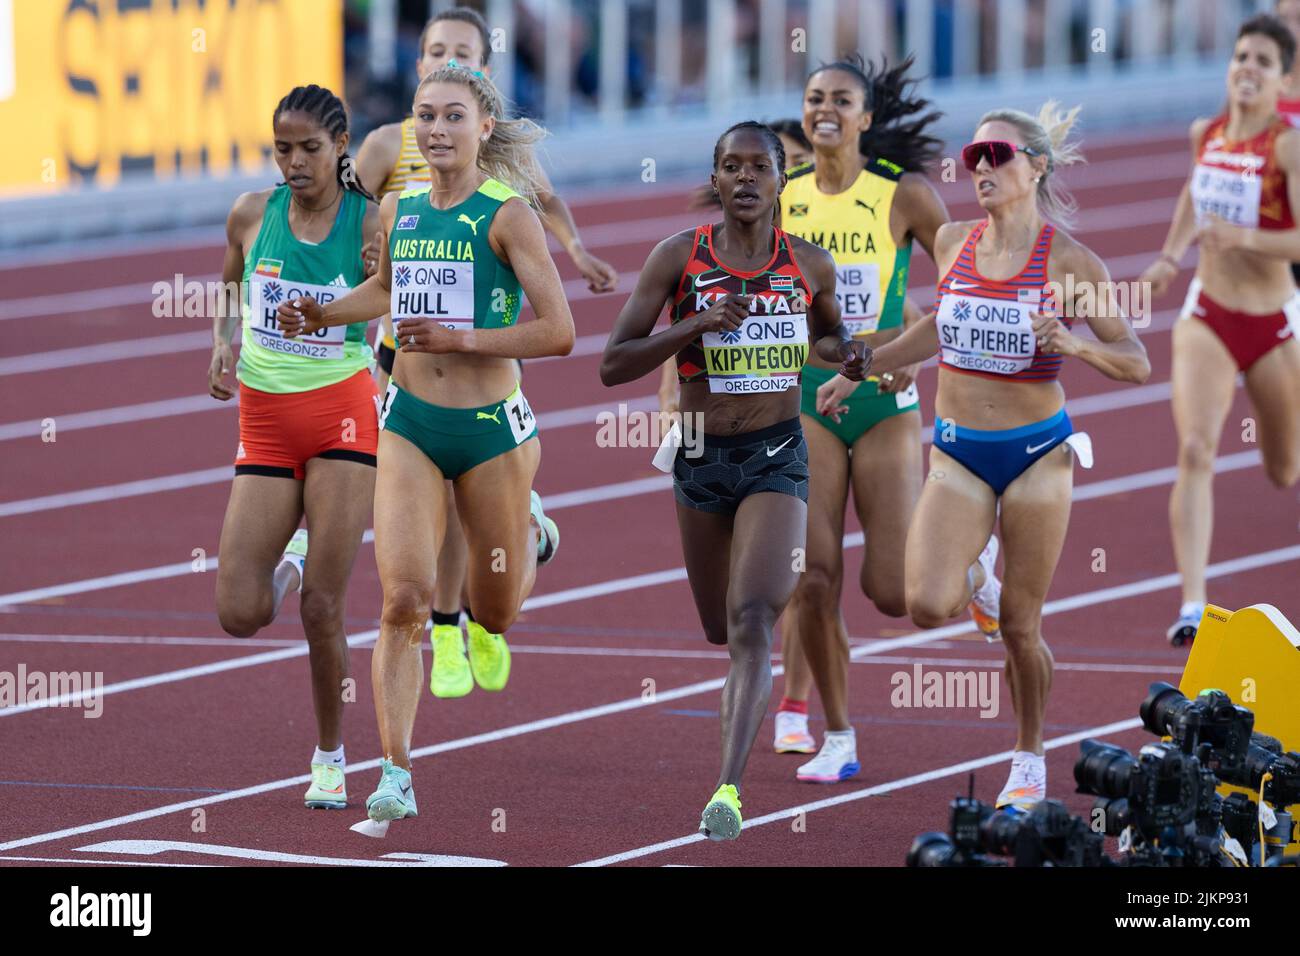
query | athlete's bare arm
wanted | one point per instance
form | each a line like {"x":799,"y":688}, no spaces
{"x":632,"y":351}
{"x":924,"y":212}
{"x":558,"y":219}
{"x":517,"y":237}
{"x":1182,"y":229}
{"x":244,"y":215}
{"x":1117,"y":353}
{"x":378,"y":155}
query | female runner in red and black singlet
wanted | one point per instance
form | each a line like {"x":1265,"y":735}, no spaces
{"x":746,"y":300}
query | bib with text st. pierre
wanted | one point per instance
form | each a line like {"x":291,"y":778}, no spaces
{"x":765,"y":354}
{"x":986,"y":335}
{"x":266,"y":294}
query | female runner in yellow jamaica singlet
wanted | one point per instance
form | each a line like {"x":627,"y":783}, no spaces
{"x":863,"y":198}
{"x":390,"y":161}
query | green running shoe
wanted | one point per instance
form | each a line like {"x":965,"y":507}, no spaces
{"x":489,"y":657}
{"x":721,"y":818}
{"x":451,"y":676}
{"x":328,"y":790}
{"x":549,"y":542}
{"x":395,"y":798}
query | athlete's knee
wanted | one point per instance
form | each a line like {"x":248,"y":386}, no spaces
{"x":1282,"y":471}
{"x":495,"y":620}
{"x":750,"y":622}
{"x":889,"y":599}
{"x":928,"y":606}
{"x":1196,"y":452}
{"x":322,"y":613}
{"x":244,"y":618}
{"x":818,"y":592}
{"x":1022,"y":629}
{"x":406,"y":603}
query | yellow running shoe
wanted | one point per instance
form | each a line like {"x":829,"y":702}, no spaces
{"x":450,"y":676}
{"x":489,"y":657}
{"x":721,"y":818}
{"x":328,"y":791}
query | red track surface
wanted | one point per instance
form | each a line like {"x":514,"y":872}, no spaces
{"x":589,"y":785}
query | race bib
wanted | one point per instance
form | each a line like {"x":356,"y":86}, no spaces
{"x":265,"y":294}
{"x":520,"y":416}
{"x":387,"y":404}
{"x":986,"y":335}
{"x":907,"y":397}
{"x":857,"y":286}
{"x":764,"y":355}
{"x":442,"y":291}
{"x":1232,"y":195}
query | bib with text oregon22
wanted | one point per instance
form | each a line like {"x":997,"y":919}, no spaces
{"x":765,"y":354}
{"x":987,"y":335}
{"x":266,"y":294}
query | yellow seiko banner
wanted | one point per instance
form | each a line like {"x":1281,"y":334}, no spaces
{"x":95,"y":90}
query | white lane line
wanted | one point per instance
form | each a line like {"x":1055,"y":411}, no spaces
{"x":623,"y":489}
{"x":1263,"y":559}
{"x":576,"y":650}
{"x":915,"y":780}
{"x":1112,"y":400}
{"x":88,"y":861}
{"x":106,"y":352}
{"x":154,"y":847}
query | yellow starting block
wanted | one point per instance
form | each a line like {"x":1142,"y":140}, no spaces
{"x":1253,"y":656}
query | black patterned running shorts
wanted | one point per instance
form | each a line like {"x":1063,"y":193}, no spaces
{"x":734,"y":467}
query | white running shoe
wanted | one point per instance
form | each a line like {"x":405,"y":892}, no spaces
{"x":836,"y":761}
{"x":1183,"y":630}
{"x":1027,"y":783}
{"x":295,"y":553}
{"x":985,"y":603}
{"x":792,"y":735}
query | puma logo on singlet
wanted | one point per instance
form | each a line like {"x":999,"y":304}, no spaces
{"x":472,"y":223}
{"x":493,"y":416}
{"x":870,"y":209}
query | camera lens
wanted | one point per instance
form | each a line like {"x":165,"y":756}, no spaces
{"x":931,"y":849}
{"x":1160,"y":710}
{"x":1103,"y":769}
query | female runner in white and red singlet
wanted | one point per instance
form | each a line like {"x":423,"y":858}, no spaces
{"x":1241,"y":313}
{"x":1002,"y":437}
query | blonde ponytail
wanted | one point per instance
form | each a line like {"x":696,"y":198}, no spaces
{"x":509,"y":153}
{"x":1047,"y":133}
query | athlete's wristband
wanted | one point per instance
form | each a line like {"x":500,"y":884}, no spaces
{"x":1166,"y":257}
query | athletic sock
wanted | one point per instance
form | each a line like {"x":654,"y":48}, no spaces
{"x":1191,"y":609}
{"x":842,"y":733}
{"x":469,"y":616}
{"x":334,"y":757}
{"x":794,"y":706}
{"x":441,"y":619}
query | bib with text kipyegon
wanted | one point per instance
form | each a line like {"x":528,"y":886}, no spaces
{"x":765,"y":354}
{"x":442,"y":291}
{"x":265,"y":294}
{"x":988,"y":335}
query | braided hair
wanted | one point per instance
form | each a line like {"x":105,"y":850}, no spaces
{"x":773,"y":141}
{"x":888,"y":94}
{"x":328,"y":110}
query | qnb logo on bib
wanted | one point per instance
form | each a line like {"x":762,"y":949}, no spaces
{"x":1231,"y":194}
{"x":986,"y":335}
{"x":266,"y":294}
{"x":857,"y":286}
{"x":442,"y":291}
{"x":764,"y":355}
